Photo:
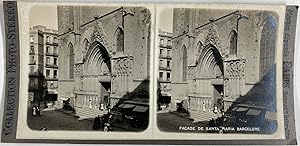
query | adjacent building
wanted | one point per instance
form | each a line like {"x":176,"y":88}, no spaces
{"x":43,"y":64}
{"x":222,"y":56}
{"x":104,"y":57}
{"x":165,"y":58}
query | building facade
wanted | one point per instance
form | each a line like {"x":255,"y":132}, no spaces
{"x":165,"y":59}
{"x":220,"y":56}
{"x":43,"y":64}
{"x":104,"y":55}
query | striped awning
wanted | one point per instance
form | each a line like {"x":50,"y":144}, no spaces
{"x":140,"y":109}
{"x":128,"y":106}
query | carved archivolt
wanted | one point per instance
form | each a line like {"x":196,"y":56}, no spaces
{"x":213,"y":37}
{"x":100,"y":36}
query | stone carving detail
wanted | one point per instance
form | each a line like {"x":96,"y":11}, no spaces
{"x":121,"y":72}
{"x":213,"y":37}
{"x":78,"y":69}
{"x":100,"y":36}
{"x":227,"y":87}
{"x":114,"y":84}
{"x":235,"y":69}
{"x":123,"y":66}
{"x":191,"y":72}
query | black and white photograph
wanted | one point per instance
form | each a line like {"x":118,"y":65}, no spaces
{"x":217,"y":71}
{"x":89,"y":68}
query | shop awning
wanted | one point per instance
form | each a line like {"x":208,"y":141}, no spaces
{"x":128,"y":106}
{"x":121,"y":105}
{"x":241,"y":109}
{"x":253,"y":112}
{"x":140,"y":109}
{"x":271,"y":115}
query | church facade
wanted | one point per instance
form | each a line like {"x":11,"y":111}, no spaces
{"x":220,"y":56}
{"x":104,"y":55}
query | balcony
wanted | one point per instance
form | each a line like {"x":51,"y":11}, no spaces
{"x":165,"y":46}
{"x":165,"y":56}
{"x":48,"y":65}
{"x":32,"y":62}
{"x":52,"y":44}
{"x":49,"y":54}
{"x":55,"y":54}
{"x":48,"y":78}
{"x":165,"y":68}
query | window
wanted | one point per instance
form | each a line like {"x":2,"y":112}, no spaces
{"x":47,"y":73}
{"x":161,"y":74}
{"x":31,"y":49}
{"x":161,"y":62}
{"x":71,"y":62}
{"x":184,"y":64}
{"x":168,"y":64}
{"x":120,"y":40}
{"x":55,"y":50}
{"x":55,"y":74}
{"x":32,"y":59}
{"x":55,"y":61}
{"x":233,"y":43}
{"x":161,"y":41}
{"x":169,"y":43}
{"x":31,"y":69}
{"x":169,"y":53}
{"x":48,"y":60}
{"x":47,"y":39}
{"x":31,"y":39}
{"x":55,"y":39}
{"x":160,"y":52}
{"x":168,"y":76}
{"x":47,"y":49}
{"x":267,"y":45}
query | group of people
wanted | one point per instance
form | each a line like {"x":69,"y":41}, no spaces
{"x":36,"y":110}
{"x":103,"y":122}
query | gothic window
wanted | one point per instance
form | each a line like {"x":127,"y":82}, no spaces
{"x":71,"y":61}
{"x":233,"y":43}
{"x":184,"y":64}
{"x":120,"y":40}
{"x":267,"y":45}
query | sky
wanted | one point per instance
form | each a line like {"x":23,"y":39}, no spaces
{"x":47,"y":16}
{"x":166,"y":20}
{"x":43,"y":15}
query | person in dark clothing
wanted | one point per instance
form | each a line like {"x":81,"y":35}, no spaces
{"x":97,"y":123}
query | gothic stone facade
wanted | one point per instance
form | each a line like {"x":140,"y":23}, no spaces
{"x":104,"y":54}
{"x":219,"y":54}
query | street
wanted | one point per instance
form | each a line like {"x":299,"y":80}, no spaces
{"x":171,"y":122}
{"x":58,"y":120}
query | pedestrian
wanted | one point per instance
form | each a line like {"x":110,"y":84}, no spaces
{"x":101,"y":106}
{"x":97,"y":123}
{"x":203,"y":107}
{"x":33,"y":111}
{"x":215,"y":109}
{"x":38,"y":110}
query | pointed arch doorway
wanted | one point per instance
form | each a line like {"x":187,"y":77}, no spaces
{"x":211,"y":74}
{"x":97,"y":75}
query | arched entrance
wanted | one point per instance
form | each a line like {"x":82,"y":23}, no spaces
{"x":97,"y":75}
{"x":211,"y":74}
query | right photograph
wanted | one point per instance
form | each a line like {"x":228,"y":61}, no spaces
{"x":217,"y":71}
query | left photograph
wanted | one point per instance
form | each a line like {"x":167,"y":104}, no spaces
{"x":89,"y":68}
